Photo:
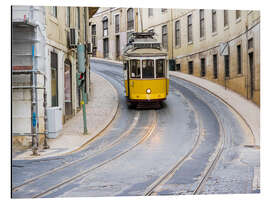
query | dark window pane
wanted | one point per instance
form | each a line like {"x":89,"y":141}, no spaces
{"x":227,"y":65}
{"x":239,"y":59}
{"x":135,"y":69}
{"x":190,"y":28}
{"x":202,"y":67}
{"x":190,"y":67}
{"x":215,"y":66}
{"x":160,"y":68}
{"x":148,"y":69}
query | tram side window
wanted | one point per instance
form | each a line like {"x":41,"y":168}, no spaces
{"x":148,"y":68}
{"x":135,"y":69}
{"x":125,"y":65}
{"x":160,"y":69}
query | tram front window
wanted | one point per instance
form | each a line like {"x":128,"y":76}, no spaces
{"x":148,"y":68}
{"x":135,"y":69}
{"x":160,"y":69}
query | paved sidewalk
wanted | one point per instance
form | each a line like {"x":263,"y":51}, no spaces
{"x":249,"y":111}
{"x":100,"y":111}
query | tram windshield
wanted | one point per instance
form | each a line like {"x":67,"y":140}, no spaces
{"x":148,"y":69}
{"x":135,"y":69}
{"x":160,"y":68}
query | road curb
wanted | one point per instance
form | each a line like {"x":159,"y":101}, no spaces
{"x":99,"y":132}
{"x":246,"y":122}
{"x":26,"y":155}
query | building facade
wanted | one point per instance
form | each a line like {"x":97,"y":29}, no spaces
{"x":41,"y":44}
{"x":219,"y":45}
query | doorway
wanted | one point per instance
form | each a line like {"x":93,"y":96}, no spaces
{"x":68,"y":89}
{"x":251,"y":68}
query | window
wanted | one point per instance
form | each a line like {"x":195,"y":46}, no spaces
{"x":130,"y":20}
{"x":135,"y":69}
{"x":105,"y":26}
{"x":54,"y":11}
{"x":164,"y":36}
{"x":150,"y":12}
{"x":226,"y":22}
{"x":148,"y":69}
{"x":93,"y":33}
{"x":117,"y":22}
{"x":164,"y":10}
{"x":237,"y":14}
{"x":202,"y":67}
{"x":117,"y":45}
{"x":215,"y":66}
{"x":160,"y":68}
{"x":54,"y":79}
{"x":177,"y":33}
{"x":250,"y":43}
{"x":68,"y":17}
{"x":178,"y":67}
{"x":239,"y":59}
{"x":227,"y":65}
{"x":214,"y":20}
{"x":105,"y":47}
{"x":189,"y":24}
{"x":190,"y":67}
{"x":202,"y":27}
{"x":78,"y":18}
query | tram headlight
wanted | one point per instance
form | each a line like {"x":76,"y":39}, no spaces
{"x":148,"y":91}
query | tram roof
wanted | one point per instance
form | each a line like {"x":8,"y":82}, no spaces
{"x":145,"y":52}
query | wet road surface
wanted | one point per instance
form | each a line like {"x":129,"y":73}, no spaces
{"x":194,"y":144}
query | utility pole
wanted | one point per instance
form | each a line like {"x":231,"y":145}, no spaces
{"x":81,"y":81}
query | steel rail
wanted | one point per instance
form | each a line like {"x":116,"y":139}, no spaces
{"x":216,"y":154}
{"x":150,"y":130}
{"x":150,"y":190}
{"x":107,"y":147}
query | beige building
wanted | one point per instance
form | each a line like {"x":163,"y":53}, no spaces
{"x":62,"y":59}
{"x":219,"y":45}
{"x":41,"y":42}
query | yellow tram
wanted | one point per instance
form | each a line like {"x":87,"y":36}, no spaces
{"x":146,"y":72}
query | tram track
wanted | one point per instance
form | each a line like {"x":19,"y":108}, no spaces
{"x":117,"y":141}
{"x":107,"y":147}
{"x":216,"y":156}
{"x":86,"y":172}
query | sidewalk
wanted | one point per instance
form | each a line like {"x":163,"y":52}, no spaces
{"x":249,"y":111}
{"x":100,"y":112}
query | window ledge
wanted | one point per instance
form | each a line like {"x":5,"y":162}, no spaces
{"x":226,"y":27}
{"x":238,"y":20}
{"x":54,"y":19}
{"x":202,"y":38}
{"x":191,"y":42}
{"x":214,"y":34}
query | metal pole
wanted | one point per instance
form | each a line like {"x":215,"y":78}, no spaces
{"x":84,"y":110}
{"x":34,"y":126}
{"x":45,"y":145}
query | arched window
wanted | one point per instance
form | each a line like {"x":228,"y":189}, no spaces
{"x":105,"y":26}
{"x":130,"y":19}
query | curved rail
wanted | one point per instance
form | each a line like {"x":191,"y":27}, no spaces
{"x":86,"y":172}
{"x":217,"y":154}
